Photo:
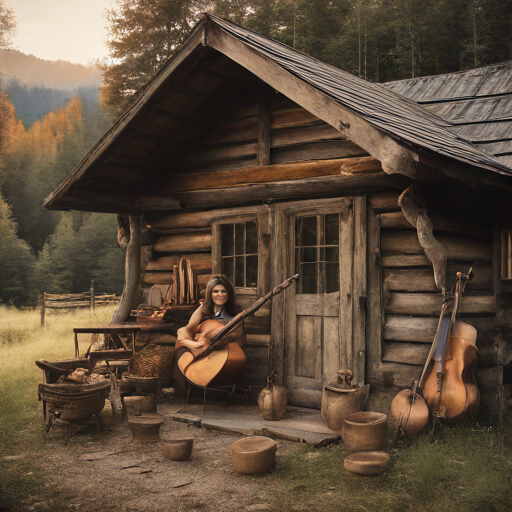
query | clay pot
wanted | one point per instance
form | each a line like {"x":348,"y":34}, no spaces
{"x":145,"y":428}
{"x":142,"y":385}
{"x":341,"y":398}
{"x":177,"y":448}
{"x":364,"y":431}
{"x":254,"y":455}
{"x":272,"y":400}
{"x":367,"y":463}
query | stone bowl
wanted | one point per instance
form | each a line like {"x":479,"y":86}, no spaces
{"x":367,"y":463}
{"x":177,"y":448}
{"x":364,"y":431}
{"x":254,"y":455}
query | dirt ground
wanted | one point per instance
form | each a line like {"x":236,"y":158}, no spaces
{"x":109,"y":472}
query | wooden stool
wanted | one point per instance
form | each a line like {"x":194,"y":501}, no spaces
{"x":145,"y":428}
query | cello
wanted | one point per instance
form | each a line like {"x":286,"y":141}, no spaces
{"x":222,"y":364}
{"x":449,"y":389}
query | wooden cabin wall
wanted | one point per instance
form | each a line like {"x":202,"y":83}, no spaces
{"x":411,"y":301}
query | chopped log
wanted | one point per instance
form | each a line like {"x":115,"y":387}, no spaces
{"x":384,"y":201}
{"x":404,"y":260}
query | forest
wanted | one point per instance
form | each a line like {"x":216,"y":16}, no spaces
{"x":45,"y":129}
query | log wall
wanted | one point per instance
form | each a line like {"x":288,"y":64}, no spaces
{"x":410,"y":300}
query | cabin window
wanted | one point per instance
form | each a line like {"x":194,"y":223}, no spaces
{"x":506,"y":254}
{"x":239,"y":253}
{"x":317,"y":256}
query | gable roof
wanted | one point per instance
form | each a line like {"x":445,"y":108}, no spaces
{"x":477,"y":105}
{"x":161,"y":123}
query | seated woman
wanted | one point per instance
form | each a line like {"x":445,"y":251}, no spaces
{"x":219,"y":305}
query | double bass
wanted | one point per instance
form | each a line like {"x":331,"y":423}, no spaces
{"x":222,"y":364}
{"x":448,"y":381}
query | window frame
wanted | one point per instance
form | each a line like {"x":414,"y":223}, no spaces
{"x":261,"y":220}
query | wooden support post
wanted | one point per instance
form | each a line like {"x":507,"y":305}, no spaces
{"x":43,"y":303}
{"x":264,"y":120}
{"x":92,"y":295}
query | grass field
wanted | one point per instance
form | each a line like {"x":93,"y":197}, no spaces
{"x":463,"y":469}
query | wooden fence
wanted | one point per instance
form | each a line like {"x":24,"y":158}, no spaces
{"x":75,"y":300}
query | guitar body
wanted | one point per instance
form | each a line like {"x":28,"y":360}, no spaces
{"x":222,"y":367}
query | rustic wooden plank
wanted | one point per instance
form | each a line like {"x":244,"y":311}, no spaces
{"x":375,"y":314}
{"x":271,"y":173}
{"x":346,"y":285}
{"x":424,"y":304}
{"x":302,"y":135}
{"x":308,"y":351}
{"x":384,"y":201}
{"x":198,"y":261}
{"x":258,"y":340}
{"x":330,"y":349}
{"x":409,"y":353}
{"x":263,"y":146}
{"x":293,"y":118}
{"x":189,"y":242}
{"x":206,"y":154}
{"x":257,"y":325}
{"x":405,"y":260}
{"x":422,"y":280}
{"x":249,"y":194}
{"x":158,"y":278}
{"x":442,"y":221}
{"x":409,"y":328}
{"x":317,"y":151}
{"x":400,"y":375}
{"x":359,"y":289}
{"x":404,"y":242}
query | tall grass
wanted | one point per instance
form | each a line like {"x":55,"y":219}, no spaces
{"x":22,"y":341}
{"x":465,"y":468}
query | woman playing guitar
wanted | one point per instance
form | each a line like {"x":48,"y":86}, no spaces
{"x":220,"y":305}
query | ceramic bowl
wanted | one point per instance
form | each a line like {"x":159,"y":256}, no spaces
{"x":254,"y":455}
{"x":367,"y":463}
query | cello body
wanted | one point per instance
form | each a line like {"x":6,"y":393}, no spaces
{"x":452,"y":393}
{"x":222,"y":367}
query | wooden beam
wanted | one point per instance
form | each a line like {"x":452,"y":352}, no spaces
{"x":264,"y":126}
{"x":395,"y":158}
{"x":273,"y":173}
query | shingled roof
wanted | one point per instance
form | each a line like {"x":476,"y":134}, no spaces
{"x":167,"y":116}
{"x":476,"y":103}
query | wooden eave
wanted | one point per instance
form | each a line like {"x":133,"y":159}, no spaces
{"x":120,"y":172}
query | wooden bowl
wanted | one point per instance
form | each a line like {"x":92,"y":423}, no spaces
{"x":367,"y":463}
{"x":177,"y":448}
{"x":364,"y":431}
{"x":145,"y":428}
{"x":254,"y":455}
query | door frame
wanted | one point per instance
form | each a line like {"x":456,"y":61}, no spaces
{"x":353,"y":281}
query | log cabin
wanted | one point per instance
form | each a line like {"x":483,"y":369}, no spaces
{"x":255,"y":160}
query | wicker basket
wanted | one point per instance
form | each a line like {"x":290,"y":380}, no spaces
{"x":75,"y":401}
{"x":152,"y":361}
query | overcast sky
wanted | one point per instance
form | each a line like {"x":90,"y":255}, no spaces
{"x":72,"y":30}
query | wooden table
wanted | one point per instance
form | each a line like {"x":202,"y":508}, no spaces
{"x":116,"y":331}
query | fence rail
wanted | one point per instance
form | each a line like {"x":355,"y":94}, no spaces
{"x":75,"y":300}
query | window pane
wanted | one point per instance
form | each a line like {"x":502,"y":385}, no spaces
{"x":251,"y":271}
{"x":306,"y":231}
{"x":239,"y":272}
{"x":251,"y":238}
{"x":226,"y":239}
{"x":308,"y":254}
{"x":227,"y":268}
{"x":239,"y":238}
{"x":308,"y":278}
{"x":332,"y":229}
{"x":332,"y":277}
{"x":331,"y":254}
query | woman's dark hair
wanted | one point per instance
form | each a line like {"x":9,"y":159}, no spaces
{"x":230,"y":305}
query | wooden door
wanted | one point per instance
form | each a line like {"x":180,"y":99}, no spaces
{"x":318,"y":318}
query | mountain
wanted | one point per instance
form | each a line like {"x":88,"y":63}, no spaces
{"x":32,"y":71}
